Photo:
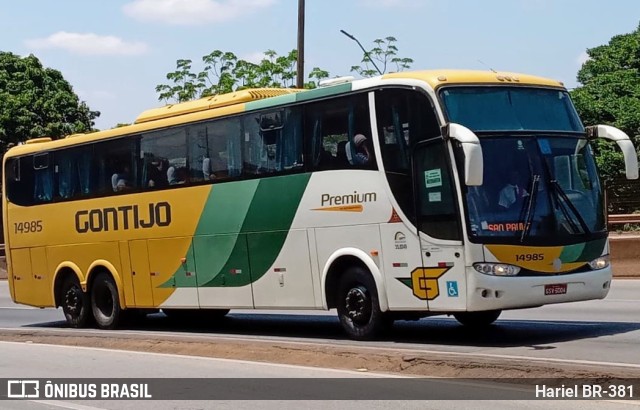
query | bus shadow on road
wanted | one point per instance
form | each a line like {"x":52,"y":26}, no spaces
{"x":436,"y":330}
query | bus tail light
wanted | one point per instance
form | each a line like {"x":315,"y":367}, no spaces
{"x":496,"y":269}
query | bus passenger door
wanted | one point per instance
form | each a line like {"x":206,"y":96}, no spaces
{"x":140,"y":273}
{"x":441,"y":279}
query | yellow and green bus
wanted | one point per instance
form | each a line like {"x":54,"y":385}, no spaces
{"x":401,"y":196}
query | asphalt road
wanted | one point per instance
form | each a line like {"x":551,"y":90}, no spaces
{"x":245,"y":379}
{"x":605,"y":332}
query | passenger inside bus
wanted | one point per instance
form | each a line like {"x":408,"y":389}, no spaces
{"x":362,"y":154}
{"x":120,"y":180}
{"x":513,"y":192}
{"x":214,"y":167}
{"x":157,"y":176}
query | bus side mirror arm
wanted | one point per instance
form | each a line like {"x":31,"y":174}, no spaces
{"x":473,"y":161}
{"x":623,"y":141}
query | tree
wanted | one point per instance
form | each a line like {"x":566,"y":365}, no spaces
{"x":610,"y":94}
{"x":382,"y":56}
{"x":38,"y":102}
{"x":223,"y":72}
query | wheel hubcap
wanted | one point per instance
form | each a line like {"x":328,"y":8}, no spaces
{"x":358,"y":305}
{"x":73,"y":300}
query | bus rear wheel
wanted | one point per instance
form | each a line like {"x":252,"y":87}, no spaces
{"x":105,"y":302}
{"x":358,"y":305}
{"x":477,"y":320}
{"x":75,"y":303}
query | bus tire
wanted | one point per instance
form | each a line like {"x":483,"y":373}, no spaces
{"x":105,"y":302}
{"x":358,"y":306}
{"x":477,"y":320}
{"x":75,"y":303}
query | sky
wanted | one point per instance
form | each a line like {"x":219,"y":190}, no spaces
{"x":115,"y":52}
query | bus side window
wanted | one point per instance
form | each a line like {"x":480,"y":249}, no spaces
{"x":333,"y":125}
{"x":404,"y":118}
{"x":43,"y":187}
{"x":19,"y":177}
{"x":164,"y":158}
{"x":114,"y":166}
{"x":273,"y":142}
{"x":73,"y":172}
{"x":214,"y":153}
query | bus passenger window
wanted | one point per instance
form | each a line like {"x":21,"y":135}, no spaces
{"x":341,"y":133}
{"x":273,"y":142}
{"x":43,"y":187}
{"x":213,"y":150}
{"x":164,"y":158}
{"x":113,"y":166}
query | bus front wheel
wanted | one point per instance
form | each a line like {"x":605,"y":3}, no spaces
{"x":105,"y":302}
{"x":358,"y":305}
{"x":75,"y":303}
{"x":476,"y":320}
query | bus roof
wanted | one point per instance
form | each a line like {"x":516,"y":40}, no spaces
{"x":211,"y":102}
{"x":251,"y":99}
{"x":439,"y":78}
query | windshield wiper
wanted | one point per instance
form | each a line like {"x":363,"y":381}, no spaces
{"x":561,"y":194}
{"x":530,"y":206}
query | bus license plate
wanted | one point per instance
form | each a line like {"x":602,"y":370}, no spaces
{"x":555,"y":289}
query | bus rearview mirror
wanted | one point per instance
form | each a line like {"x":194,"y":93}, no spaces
{"x":473,"y":161}
{"x":623,"y":141}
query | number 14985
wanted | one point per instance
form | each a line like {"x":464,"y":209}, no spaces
{"x":28,"y":227}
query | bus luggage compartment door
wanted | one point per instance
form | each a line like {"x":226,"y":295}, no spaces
{"x":142,"y":290}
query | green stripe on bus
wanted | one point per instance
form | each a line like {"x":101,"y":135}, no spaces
{"x":227,"y":207}
{"x":593,"y":250}
{"x":241,"y":219}
{"x":323,"y":92}
{"x":571,"y":253}
{"x":270,"y":102}
{"x":264,"y":231}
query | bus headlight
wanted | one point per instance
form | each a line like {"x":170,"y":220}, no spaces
{"x":599,"y":263}
{"x":497,"y":269}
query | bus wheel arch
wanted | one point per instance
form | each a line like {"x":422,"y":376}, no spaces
{"x":352,"y":288}
{"x":337,"y":265}
{"x":75,"y":302}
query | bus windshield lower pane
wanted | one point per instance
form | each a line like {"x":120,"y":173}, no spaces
{"x":536,"y":189}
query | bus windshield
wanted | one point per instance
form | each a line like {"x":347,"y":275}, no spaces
{"x":505,"y":108}
{"x":536,"y":189}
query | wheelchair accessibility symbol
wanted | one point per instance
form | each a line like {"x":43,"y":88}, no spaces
{"x":452,"y":289}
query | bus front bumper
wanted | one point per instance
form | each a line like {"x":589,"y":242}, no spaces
{"x":486,"y":292}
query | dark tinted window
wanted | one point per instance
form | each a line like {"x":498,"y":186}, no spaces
{"x":75,"y":174}
{"x":273,"y":142}
{"x":214,"y":150}
{"x":164,"y":158}
{"x":255,"y":144}
{"x":404,"y":118}
{"x":505,"y":108}
{"x":337,"y":128}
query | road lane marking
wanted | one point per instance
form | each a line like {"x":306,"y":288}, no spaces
{"x":66,"y":405}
